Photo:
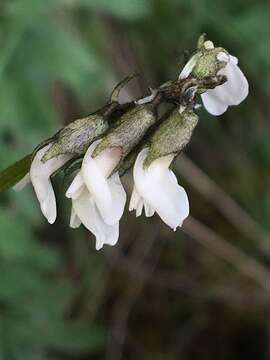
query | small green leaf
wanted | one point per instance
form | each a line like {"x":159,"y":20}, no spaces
{"x":14,"y":173}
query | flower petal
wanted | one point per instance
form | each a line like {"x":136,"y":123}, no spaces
{"x":22,"y":183}
{"x":184,"y":211}
{"x":212,"y":103}
{"x":189,"y":66}
{"x":137,"y":203}
{"x":238,"y":83}
{"x":208,"y":44}
{"x":89,"y":215}
{"x":158,"y":187}
{"x":235,"y":89}
{"x":149,"y":210}
{"x":234,"y":59}
{"x":75,"y":222}
{"x":95,"y":173}
{"x":139,"y":208}
{"x":40,"y":176}
{"x":222,"y":56}
{"x":134,"y":200}
{"x":232,"y":92}
{"x":48,"y":206}
{"x":76,"y":187}
{"x":119,"y":198}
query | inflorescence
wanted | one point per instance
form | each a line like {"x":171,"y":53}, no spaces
{"x":94,"y":152}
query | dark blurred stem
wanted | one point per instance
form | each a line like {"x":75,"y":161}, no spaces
{"x":245,"y":264}
{"x":223,"y":202}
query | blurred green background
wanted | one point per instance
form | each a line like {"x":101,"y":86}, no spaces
{"x":200,"y":293}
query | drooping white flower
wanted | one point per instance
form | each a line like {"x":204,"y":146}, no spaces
{"x":156,"y":188}
{"x":107,"y":191}
{"x":39,"y":175}
{"x":232,"y":92}
{"x":98,"y":198}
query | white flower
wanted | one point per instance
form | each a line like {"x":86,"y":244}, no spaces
{"x":232,"y":92}
{"x":98,"y":198}
{"x":156,"y":189}
{"x":39,"y":175}
{"x":107,"y":191}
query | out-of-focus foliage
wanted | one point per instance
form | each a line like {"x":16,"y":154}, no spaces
{"x":59,"y":298}
{"x":34,"y":296}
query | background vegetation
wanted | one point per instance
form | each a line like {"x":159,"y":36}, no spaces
{"x":200,"y":293}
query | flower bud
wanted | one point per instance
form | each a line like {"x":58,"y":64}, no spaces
{"x":204,"y":63}
{"x":208,"y":64}
{"x":172,"y":135}
{"x":129,"y":130}
{"x":76,"y":137}
{"x":220,"y":81}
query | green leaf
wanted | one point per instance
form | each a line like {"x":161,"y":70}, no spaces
{"x":14,"y":173}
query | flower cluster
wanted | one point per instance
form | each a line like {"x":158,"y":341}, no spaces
{"x":139,"y":138}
